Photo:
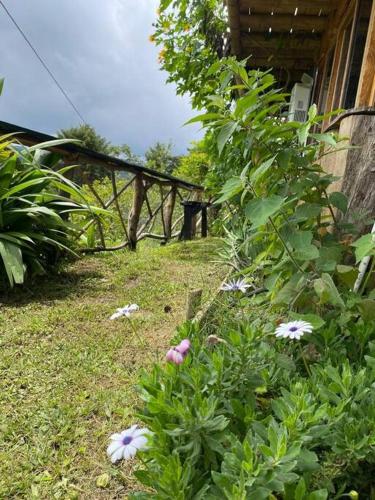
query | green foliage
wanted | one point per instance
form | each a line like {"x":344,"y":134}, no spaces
{"x":191,"y":36}
{"x":34,"y":207}
{"x":244,"y":419}
{"x":281,"y":211}
{"x":253,"y":416}
{"x":89,"y":138}
{"x":195,"y":165}
{"x":159,"y":157}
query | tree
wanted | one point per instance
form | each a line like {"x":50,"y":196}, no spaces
{"x":88,"y":136}
{"x":91,"y":139}
{"x":159,"y":157}
{"x":195,"y":165}
{"x":191,"y":34}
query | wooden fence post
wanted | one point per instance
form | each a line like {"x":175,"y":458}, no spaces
{"x":168,"y":212}
{"x":197,"y":196}
{"x":204,"y":222}
{"x":138,"y":198}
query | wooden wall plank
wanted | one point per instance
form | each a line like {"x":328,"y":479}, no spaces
{"x":365,"y":93}
{"x":234,"y":23}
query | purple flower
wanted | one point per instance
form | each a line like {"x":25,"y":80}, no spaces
{"x":178,"y":353}
{"x":235,"y":286}
{"x":125,"y":445}
{"x":293,"y":330}
{"x":125,"y":311}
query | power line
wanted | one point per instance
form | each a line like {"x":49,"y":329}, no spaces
{"x":64,"y":93}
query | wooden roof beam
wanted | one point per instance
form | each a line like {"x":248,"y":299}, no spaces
{"x":259,"y":23}
{"x":284,"y":6}
{"x":276,"y":62}
{"x":277,"y":41}
{"x":275,"y":53}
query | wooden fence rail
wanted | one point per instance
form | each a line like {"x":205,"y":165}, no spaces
{"x":139,"y":222}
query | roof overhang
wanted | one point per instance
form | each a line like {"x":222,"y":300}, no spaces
{"x":280,"y":34}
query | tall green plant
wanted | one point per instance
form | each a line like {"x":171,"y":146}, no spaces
{"x":277,"y":188}
{"x":34,"y":210}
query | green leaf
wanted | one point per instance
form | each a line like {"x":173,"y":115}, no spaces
{"x":347,"y":274}
{"x":231,"y":188}
{"x":102,"y":481}
{"x":313,"y":111}
{"x":12,"y":259}
{"x":339,"y":200}
{"x":300,"y":490}
{"x":367,"y":309}
{"x":302,"y":133}
{"x":245,"y":103}
{"x":326,"y":290}
{"x":329,"y":256}
{"x":225,"y":134}
{"x":1,"y":85}
{"x":259,"y":172}
{"x":301,"y":243}
{"x":164,"y":4}
{"x":318,"y":495}
{"x":259,"y":210}
{"x":315,"y":320}
{"x":50,"y":144}
{"x":327,"y":138}
{"x":365,"y":246}
{"x":290,"y":290}
{"x":203,"y":118}
{"x":306,"y":211}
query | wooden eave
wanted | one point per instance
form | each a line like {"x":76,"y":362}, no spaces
{"x":280,"y":34}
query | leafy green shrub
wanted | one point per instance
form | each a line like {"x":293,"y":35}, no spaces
{"x":243,"y":419}
{"x":34,"y":212}
{"x":253,"y":416}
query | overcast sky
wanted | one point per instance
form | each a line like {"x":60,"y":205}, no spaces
{"x":100,"y":53}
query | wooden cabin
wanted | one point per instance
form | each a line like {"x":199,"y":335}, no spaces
{"x":329,"y":44}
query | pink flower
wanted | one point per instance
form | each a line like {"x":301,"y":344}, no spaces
{"x":178,"y":353}
{"x":184,"y":346}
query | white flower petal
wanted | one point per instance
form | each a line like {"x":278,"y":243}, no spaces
{"x":118,"y":454}
{"x":293,"y":329}
{"x":113,"y":447}
{"x":141,"y":432}
{"x":130,"y":451}
{"x":140,"y":442}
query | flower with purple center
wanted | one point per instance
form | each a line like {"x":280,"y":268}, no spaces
{"x":293,"y":329}
{"x":125,"y":311}
{"x":178,"y":353}
{"x":235,"y":286}
{"x":124,"y":445}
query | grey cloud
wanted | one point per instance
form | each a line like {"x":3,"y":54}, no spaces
{"x":100,"y":53}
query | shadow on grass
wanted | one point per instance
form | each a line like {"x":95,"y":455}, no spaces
{"x":54,"y":286}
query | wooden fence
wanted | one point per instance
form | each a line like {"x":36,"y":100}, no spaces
{"x":137,"y":223}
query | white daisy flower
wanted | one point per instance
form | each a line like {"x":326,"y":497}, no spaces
{"x":234,"y":286}
{"x":125,"y":445}
{"x":125,"y":311}
{"x":293,"y":329}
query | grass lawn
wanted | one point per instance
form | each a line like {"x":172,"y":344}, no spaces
{"x":67,"y":372}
